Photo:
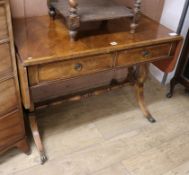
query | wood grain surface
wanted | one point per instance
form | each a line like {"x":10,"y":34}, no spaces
{"x":12,"y":128}
{"x":41,"y":40}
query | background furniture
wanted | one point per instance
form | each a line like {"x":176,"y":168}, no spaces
{"x":12,"y":131}
{"x":76,"y":12}
{"x":28,"y":8}
{"x":52,"y":68}
{"x":182,"y":72}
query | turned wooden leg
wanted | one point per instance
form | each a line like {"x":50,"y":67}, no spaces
{"x":134,"y":23}
{"x":23,"y":146}
{"x":52,"y":13}
{"x":141,"y":75}
{"x":73,"y":20}
{"x":172,"y":87}
{"x":37,"y":138}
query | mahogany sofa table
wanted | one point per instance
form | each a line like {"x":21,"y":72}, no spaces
{"x":51,"y":67}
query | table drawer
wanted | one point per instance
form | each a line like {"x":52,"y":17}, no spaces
{"x":5,"y":59}
{"x":11,"y":128}
{"x":8,"y":99}
{"x":3,"y":22}
{"x":70,"y":68}
{"x":138,"y":55}
{"x":78,"y":85}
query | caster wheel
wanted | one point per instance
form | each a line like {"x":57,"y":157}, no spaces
{"x":43,"y":159}
{"x":151,"y":119}
{"x":169,"y":95}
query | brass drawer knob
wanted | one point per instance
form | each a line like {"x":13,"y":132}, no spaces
{"x":146,"y":53}
{"x":78,"y":67}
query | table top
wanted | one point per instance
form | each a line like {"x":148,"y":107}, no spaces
{"x":41,"y":40}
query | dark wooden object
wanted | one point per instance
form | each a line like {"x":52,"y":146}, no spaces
{"x":182,"y":72}
{"x":52,"y":68}
{"x":76,"y":12}
{"x":12,"y":131}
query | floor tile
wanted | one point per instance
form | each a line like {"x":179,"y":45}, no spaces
{"x":116,"y":169}
{"x":180,"y":170}
{"x":159,"y":160}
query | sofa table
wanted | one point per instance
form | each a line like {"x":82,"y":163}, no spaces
{"x":53,"y":68}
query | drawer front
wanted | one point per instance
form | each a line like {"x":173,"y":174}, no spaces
{"x":3,"y":22}
{"x":133,"y":56}
{"x":8,"y":96}
{"x":62,"y":88}
{"x":11,"y":128}
{"x":71,"y":68}
{"x":5,"y":59}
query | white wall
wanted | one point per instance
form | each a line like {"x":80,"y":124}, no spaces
{"x":183,"y":33}
{"x":171,"y":13}
{"x":170,"y":18}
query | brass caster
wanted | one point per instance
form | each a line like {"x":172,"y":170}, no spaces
{"x":151,"y":119}
{"x":43,"y":159}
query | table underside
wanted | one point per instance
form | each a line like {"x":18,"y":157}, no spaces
{"x":96,"y":10}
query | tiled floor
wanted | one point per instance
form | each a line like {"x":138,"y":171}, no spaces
{"x":107,"y":135}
